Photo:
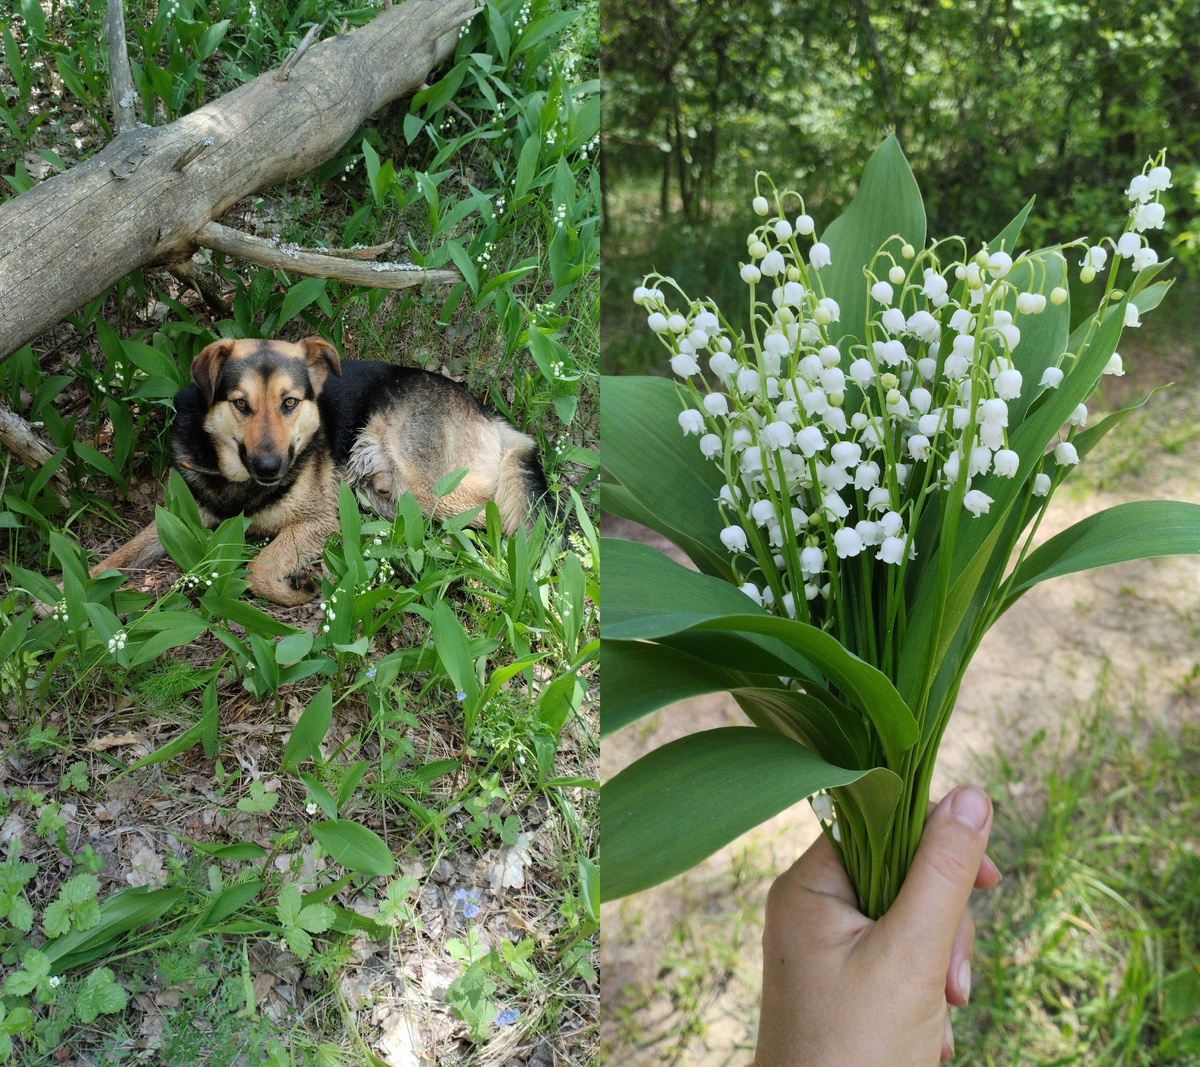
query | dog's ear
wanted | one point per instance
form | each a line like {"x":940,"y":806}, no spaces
{"x":207,"y":364}
{"x":322,"y":358}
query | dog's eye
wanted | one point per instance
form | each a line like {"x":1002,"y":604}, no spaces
{"x":289,"y":403}
{"x":241,"y":404}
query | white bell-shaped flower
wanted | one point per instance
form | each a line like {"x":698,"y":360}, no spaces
{"x":751,"y":590}
{"x":657,"y":322}
{"x":977,"y":502}
{"x":1006,"y":463}
{"x":818,"y":256}
{"x":847,"y":543}
{"x":893,"y":320}
{"x":1139,"y":190}
{"x":734,"y":538}
{"x":691,"y":421}
{"x":891,"y":550}
{"x":684,"y":365}
{"x":711,"y":446}
{"x":1065,"y":454}
{"x":1128,"y":244}
{"x":1041,"y":485}
{"x":1008,"y":384}
{"x":1115,"y":365}
{"x":1051,"y":378}
{"x":881,"y":292}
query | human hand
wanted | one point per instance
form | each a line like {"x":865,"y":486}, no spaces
{"x":839,"y":989}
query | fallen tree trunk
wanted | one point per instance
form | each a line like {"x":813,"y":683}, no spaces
{"x":146,"y":197}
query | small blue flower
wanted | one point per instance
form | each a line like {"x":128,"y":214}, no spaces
{"x":371,"y":673}
{"x":507,"y":1017}
{"x":461,"y":695}
{"x":469,"y":901}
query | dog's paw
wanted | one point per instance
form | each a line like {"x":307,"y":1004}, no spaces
{"x":307,"y":580}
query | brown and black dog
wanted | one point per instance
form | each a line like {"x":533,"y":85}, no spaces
{"x":270,"y":429}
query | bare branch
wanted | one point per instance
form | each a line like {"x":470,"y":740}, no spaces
{"x":120,"y":78}
{"x":281,"y":75}
{"x":271,"y":253}
{"x":18,"y":439}
{"x":204,"y":282}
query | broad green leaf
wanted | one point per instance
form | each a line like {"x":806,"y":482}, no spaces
{"x":299,"y":296}
{"x":174,"y":629}
{"x":683,"y":801}
{"x":648,"y":596}
{"x":119,"y":914}
{"x":355,"y":847}
{"x":866,"y":688}
{"x":1043,"y":336}
{"x":869,"y":805}
{"x":309,"y":731}
{"x":253,"y":620}
{"x":182,"y":544}
{"x":833,"y":731}
{"x":1006,"y":240}
{"x":227,"y":902}
{"x":663,"y":471}
{"x":450,"y":643}
{"x":293,"y":648}
{"x":887,"y":203}
{"x":640,"y":677}
{"x":1137,"y":530}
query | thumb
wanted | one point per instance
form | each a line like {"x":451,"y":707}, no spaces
{"x":935,"y":893}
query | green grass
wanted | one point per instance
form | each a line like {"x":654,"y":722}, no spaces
{"x":321,"y":796}
{"x":1090,"y":950}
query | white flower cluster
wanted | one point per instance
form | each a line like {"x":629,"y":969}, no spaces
{"x":329,"y":613}
{"x":833,"y":450}
{"x":117,"y":642}
{"x":60,"y":613}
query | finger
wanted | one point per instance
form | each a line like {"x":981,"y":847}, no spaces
{"x":958,"y":975}
{"x":925,"y":916}
{"x":948,"y":1040}
{"x":989,"y":875}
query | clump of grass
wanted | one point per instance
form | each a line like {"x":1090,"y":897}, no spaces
{"x":1089,"y":950}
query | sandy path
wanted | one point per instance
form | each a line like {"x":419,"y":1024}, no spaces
{"x":1131,"y":631}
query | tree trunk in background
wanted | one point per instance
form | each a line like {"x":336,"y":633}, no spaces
{"x":145,"y":197}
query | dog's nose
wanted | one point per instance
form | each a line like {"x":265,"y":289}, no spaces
{"x":266,"y":467}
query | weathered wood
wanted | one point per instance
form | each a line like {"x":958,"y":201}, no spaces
{"x":120,"y":77}
{"x":18,"y":439}
{"x":271,"y":253}
{"x":144,"y":199}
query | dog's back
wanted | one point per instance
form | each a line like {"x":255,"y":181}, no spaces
{"x":395,"y":429}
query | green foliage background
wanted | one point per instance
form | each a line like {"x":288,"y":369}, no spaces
{"x":992,"y":103}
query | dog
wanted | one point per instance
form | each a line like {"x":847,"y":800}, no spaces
{"x":270,"y":429}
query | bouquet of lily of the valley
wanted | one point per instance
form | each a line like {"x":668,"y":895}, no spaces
{"x":859,"y":480}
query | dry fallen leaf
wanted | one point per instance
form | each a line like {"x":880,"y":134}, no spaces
{"x":397,"y":1044}
{"x":103,"y":744}
{"x":507,"y":871}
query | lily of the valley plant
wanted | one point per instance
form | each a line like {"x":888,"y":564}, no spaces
{"x":860,"y":481}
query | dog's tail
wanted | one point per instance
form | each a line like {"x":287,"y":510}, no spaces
{"x":522,"y":492}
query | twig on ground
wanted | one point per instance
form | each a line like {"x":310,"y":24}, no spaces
{"x":17,"y":437}
{"x":273,"y":253}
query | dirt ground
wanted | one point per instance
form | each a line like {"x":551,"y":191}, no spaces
{"x":1133,"y":629}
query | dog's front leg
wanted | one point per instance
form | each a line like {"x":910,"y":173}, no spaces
{"x":279,"y":571}
{"x":136,"y":554}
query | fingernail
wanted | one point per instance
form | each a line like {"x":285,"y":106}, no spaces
{"x":970,"y":806}
{"x":964,"y":979}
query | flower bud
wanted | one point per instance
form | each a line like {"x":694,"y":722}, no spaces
{"x":907,"y":250}
{"x":999,"y":264}
{"x":1087,"y":275}
{"x":750,"y":274}
{"x":896,"y":275}
{"x":760,"y":205}
{"x":783,"y":229}
{"x":804,"y":225}
{"x":657,"y":322}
